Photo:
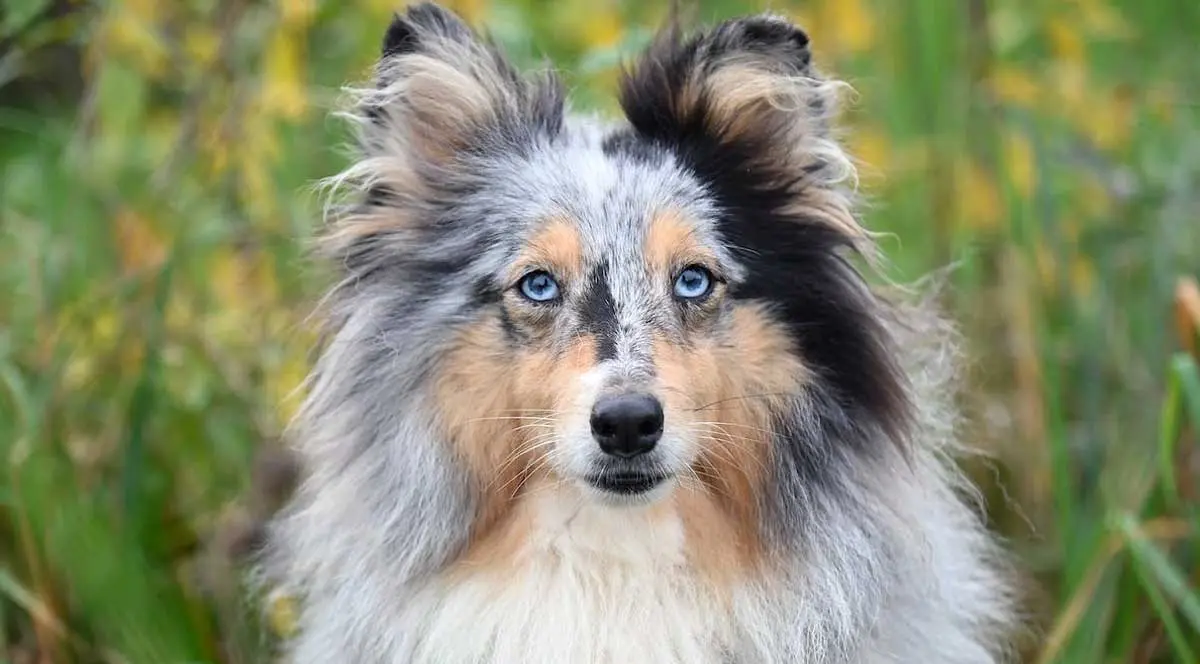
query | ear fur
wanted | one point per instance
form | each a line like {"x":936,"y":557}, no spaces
{"x":440,"y":92}
{"x":440,"y":96}
{"x":748,"y":91}
{"x":442,"y":87}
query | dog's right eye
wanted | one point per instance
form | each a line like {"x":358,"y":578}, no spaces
{"x":539,"y":287}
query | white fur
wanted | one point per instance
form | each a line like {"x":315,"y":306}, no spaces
{"x":592,"y":584}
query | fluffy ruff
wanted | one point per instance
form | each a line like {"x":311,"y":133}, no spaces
{"x":800,"y":502}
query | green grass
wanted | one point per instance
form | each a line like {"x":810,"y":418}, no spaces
{"x":155,"y":201}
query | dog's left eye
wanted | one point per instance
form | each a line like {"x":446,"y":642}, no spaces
{"x":693,"y":283}
{"x":539,"y":286}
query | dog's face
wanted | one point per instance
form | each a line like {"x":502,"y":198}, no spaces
{"x":608,"y":334}
{"x":625,"y":307}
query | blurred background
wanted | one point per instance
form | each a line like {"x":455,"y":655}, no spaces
{"x":157,"y":163}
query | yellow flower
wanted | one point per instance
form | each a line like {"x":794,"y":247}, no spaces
{"x":471,"y":11}
{"x":849,"y":24}
{"x":1044,"y":262}
{"x":140,"y":245}
{"x":1020,"y":163}
{"x":603,"y":29}
{"x":283,"y":91}
{"x":979,"y":203}
{"x":201,"y":43}
{"x":1065,"y":40}
{"x":136,"y":36}
{"x":282,"y":615}
{"x":1083,"y":276}
{"x":872,"y":149}
{"x":296,"y":13}
{"x":1015,"y":86}
{"x":1109,"y":120}
{"x":283,"y":385}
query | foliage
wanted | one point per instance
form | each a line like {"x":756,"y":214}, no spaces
{"x":156,"y":193}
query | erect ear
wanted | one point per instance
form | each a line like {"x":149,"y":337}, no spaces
{"x":440,"y":90}
{"x":746,"y":98}
{"x":440,"y":97}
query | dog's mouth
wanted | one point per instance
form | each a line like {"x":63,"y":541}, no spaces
{"x":627,"y":483}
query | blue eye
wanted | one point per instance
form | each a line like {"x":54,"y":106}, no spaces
{"x":539,"y":287}
{"x":694,"y":282}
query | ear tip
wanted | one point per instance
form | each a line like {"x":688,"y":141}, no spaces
{"x":403,"y":35}
{"x":775,"y":32}
{"x":400,"y":38}
{"x":775,"y":28}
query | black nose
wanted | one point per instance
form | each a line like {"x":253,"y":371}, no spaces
{"x":627,"y":425}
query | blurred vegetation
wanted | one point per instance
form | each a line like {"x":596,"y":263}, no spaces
{"x":156,"y":170}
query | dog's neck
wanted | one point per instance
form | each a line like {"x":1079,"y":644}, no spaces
{"x":570,"y":579}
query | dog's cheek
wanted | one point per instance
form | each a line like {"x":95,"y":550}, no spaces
{"x":473,"y":391}
{"x":690,"y":380}
{"x":758,"y":376}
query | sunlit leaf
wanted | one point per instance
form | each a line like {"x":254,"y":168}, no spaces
{"x":1009,"y":27}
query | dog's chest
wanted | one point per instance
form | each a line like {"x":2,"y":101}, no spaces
{"x":589,"y":587}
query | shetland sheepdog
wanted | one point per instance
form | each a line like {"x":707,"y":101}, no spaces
{"x":620,"y":391}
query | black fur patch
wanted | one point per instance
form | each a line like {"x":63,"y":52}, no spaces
{"x":599,"y":313}
{"x":629,"y":144}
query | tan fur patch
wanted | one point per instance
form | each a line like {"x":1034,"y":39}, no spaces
{"x":742,"y":92}
{"x":725,"y":393}
{"x":499,"y":548}
{"x":498,"y":407}
{"x":557,"y":247}
{"x":671,"y":243}
{"x":722,"y":548}
{"x":477,"y":409}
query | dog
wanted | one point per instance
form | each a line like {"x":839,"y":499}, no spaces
{"x":622,"y":391}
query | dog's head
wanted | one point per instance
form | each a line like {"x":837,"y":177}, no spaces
{"x":627,"y":307}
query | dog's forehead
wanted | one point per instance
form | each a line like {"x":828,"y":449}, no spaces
{"x":609,"y":197}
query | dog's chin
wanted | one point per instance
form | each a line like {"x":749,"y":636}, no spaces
{"x":628,"y":488}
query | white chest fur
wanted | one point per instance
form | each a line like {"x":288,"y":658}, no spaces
{"x":589,"y":585}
